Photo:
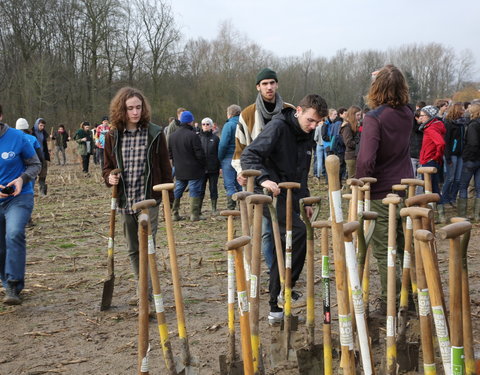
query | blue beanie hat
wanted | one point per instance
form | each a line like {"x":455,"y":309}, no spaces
{"x":186,"y":117}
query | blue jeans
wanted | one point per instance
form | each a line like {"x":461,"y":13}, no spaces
{"x":14,"y":215}
{"x":194,"y":188}
{"x":268,"y":243}
{"x":229,"y":177}
{"x":470,"y":168}
{"x":415,"y":166}
{"x":435,"y":177}
{"x":452,"y":180}
{"x":320,"y":152}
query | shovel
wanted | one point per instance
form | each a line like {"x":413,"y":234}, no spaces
{"x":228,"y":363}
{"x":109,"y":283}
{"x":310,"y":358}
{"x":189,"y":365}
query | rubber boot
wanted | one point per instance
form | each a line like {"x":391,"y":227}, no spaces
{"x":195,"y":209}
{"x":462,"y":207}
{"x":42,"y":190}
{"x":231,"y":204}
{"x":175,"y":209}
{"x":214,"y":207}
{"x":476,"y":210}
{"x":441,"y":213}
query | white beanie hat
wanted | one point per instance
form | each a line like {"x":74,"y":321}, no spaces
{"x":21,"y":124}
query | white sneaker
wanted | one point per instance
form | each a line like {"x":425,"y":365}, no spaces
{"x":297,"y":300}
{"x":275,"y":318}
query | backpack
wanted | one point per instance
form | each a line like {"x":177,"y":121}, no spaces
{"x":338,"y":147}
{"x":325,"y":131}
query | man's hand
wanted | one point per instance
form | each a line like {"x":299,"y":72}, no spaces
{"x":17,"y":184}
{"x":241,"y":180}
{"x":271,"y":186}
{"x":309,"y":211}
{"x":113,"y":179}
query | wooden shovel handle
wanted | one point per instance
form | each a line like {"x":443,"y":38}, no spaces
{"x":454,"y":230}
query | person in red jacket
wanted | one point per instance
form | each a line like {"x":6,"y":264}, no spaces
{"x":433,"y":144}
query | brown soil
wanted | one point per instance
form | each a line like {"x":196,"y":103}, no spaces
{"x":59,"y":328}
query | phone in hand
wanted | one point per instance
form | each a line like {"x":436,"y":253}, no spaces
{"x":8,"y":190}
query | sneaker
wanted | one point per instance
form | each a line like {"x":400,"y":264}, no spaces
{"x":275,"y":318}
{"x":297,"y":300}
{"x":11,"y":295}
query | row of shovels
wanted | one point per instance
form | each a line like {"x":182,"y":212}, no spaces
{"x":351,"y":253}
{"x":350,"y":239}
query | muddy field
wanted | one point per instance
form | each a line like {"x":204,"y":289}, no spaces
{"x":59,"y":328}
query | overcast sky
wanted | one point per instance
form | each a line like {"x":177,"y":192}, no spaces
{"x":289,"y":28}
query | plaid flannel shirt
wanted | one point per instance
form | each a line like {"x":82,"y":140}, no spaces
{"x":134,"y":155}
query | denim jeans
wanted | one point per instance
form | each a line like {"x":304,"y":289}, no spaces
{"x":415,"y":166}
{"x":268,"y":244}
{"x":320,"y":152}
{"x":60,"y":151}
{"x":194,"y":188}
{"x":452,"y":180}
{"x":14,"y":215}
{"x":470,"y":168}
{"x":229,"y":177}
{"x":435,"y":177}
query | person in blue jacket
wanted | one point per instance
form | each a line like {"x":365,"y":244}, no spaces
{"x":226,"y":148}
{"x":19,"y":165}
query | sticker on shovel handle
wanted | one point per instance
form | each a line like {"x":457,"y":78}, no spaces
{"x":423,"y":302}
{"x":288,"y":239}
{"x":151,"y":245}
{"x":158,"y":299}
{"x":325,"y":267}
{"x":337,"y":205}
{"x":242,"y":302}
{"x":144,"y":366}
{"x":253,"y":285}
{"x":391,"y":256}
{"x":113,"y":204}
{"x":110,"y":246}
{"x":345,"y":325}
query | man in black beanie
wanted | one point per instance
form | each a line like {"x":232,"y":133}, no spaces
{"x":250,"y":124}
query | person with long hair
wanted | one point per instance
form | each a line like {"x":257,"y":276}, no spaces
{"x":84,"y":138}
{"x":139,"y":149}
{"x":351,"y":138}
{"x":384,"y":154}
{"x":455,"y":124}
{"x":471,"y":164}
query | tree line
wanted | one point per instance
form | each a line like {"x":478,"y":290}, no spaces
{"x":64,"y":60}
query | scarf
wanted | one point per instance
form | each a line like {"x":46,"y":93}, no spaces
{"x":267,"y":116}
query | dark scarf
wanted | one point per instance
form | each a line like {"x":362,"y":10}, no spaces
{"x":267,"y":116}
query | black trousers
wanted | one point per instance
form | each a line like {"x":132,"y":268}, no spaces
{"x":85,"y":162}
{"x":299,"y":247}
{"x":212,"y":185}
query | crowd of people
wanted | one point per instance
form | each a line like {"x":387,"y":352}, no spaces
{"x":388,"y":140}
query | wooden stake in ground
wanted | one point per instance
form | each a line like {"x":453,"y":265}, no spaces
{"x":327,"y":317}
{"x":453,"y":233}
{"x":228,"y":364}
{"x":439,"y":314}
{"x":189,"y":363}
{"x":256,"y":200}
{"x":466,"y":305}
{"x":347,"y":362}
{"x":143,"y":346}
{"x":237,"y":246}
{"x":416,"y":214}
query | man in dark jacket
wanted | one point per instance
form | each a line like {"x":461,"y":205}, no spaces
{"x":189,"y":160}
{"x":210,"y":147}
{"x":42,"y":136}
{"x":282,"y":152}
{"x":61,"y":138}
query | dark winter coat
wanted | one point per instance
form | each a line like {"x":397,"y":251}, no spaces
{"x":281,"y":152}
{"x":186,"y":153}
{"x":157,"y":168}
{"x":60,"y":138}
{"x":471,"y":151}
{"x":210,"y":144}
{"x":454,"y":137}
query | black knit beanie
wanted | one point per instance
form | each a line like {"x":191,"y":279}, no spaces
{"x":266,"y":73}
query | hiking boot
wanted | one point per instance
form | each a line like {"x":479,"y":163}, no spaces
{"x":275,"y":318}
{"x":175,"y":209}
{"x":462,"y":207}
{"x":476,"y":210}
{"x":297,"y":300}
{"x":441,"y":213}
{"x":231,"y":204}
{"x":11,"y":295}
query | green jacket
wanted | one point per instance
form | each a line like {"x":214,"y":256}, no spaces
{"x":82,"y":145}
